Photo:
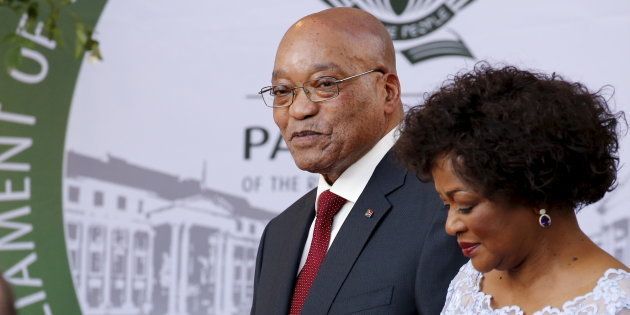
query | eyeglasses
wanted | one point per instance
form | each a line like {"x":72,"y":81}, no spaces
{"x":318,"y":90}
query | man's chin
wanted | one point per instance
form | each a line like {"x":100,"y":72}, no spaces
{"x":310,"y":165}
{"x":309,"y":168}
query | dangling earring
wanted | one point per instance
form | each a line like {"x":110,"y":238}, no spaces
{"x":544,"y":220}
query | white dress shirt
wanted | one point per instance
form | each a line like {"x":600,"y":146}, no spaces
{"x":350,"y":185}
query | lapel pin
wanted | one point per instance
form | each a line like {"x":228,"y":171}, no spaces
{"x":369,"y":213}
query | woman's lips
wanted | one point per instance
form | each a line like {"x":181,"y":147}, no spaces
{"x":468,"y":249}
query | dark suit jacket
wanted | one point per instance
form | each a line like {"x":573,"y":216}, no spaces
{"x":399,"y":261}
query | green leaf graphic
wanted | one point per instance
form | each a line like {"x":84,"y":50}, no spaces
{"x":399,"y":6}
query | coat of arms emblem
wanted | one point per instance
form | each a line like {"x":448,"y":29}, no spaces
{"x":414,"y":24}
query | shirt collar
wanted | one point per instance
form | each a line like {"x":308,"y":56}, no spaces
{"x":353,"y":180}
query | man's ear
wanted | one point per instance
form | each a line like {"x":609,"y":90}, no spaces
{"x":392,"y":92}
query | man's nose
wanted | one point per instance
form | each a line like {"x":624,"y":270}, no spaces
{"x":302,"y":107}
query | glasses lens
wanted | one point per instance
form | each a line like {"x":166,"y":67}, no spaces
{"x":322,"y":89}
{"x":267,"y":96}
{"x":277,"y":96}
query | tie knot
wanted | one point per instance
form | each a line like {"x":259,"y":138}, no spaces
{"x":329,"y":204}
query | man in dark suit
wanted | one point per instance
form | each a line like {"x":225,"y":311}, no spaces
{"x":370,"y":238}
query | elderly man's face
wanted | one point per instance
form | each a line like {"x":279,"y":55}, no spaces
{"x":329,"y":136}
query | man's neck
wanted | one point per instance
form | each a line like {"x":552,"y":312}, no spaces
{"x":332,"y":176}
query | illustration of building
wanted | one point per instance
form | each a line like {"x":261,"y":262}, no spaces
{"x":613,"y":238}
{"x":145,"y":242}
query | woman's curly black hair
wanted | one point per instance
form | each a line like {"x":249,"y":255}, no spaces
{"x":516,"y":135}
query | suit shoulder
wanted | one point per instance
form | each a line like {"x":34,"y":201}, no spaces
{"x":306,"y":203}
{"x":417,"y":199}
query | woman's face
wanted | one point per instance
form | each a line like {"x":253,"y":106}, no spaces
{"x":494,"y":235}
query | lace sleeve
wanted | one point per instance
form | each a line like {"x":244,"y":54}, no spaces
{"x":463,"y":295}
{"x":610,"y":296}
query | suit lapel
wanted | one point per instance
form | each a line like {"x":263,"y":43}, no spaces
{"x":354,"y":234}
{"x":288,"y":254}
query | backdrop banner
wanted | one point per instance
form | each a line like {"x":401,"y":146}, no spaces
{"x":141,"y":184}
{"x":35,"y":98}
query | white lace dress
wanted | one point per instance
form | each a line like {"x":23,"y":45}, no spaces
{"x":611,"y":295}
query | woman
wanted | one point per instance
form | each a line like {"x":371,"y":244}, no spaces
{"x":513,"y":154}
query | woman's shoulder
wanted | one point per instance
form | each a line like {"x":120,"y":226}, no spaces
{"x":612,"y":294}
{"x":615,"y":282}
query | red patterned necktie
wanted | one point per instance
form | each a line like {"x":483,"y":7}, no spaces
{"x":327,"y":206}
